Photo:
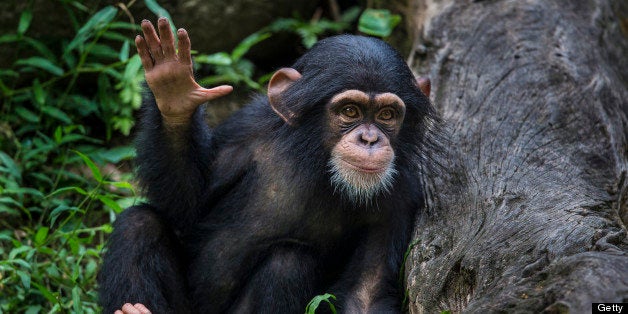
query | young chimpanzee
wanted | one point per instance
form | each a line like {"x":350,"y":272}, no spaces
{"x":312,"y":189}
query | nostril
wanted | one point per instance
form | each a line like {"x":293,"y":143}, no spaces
{"x":369,"y":138}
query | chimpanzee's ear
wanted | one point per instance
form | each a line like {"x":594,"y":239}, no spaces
{"x":424,"y":84}
{"x":280,"y":81}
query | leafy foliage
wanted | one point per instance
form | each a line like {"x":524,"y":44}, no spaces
{"x":378,"y":23}
{"x":310,"y":31}
{"x":61,"y":104}
{"x":232,"y":67}
{"x":316,"y":301}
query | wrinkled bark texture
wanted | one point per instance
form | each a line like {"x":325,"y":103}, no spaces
{"x":529,"y":213}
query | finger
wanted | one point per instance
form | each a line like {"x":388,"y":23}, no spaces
{"x":118,"y":312}
{"x":152,"y":40}
{"x":130,"y":309}
{"x":142,"y":308}
{"x":184,"y":47}
{"x":142,"y":50}
{"x":217,"y":92}
{"x":167,"y":39}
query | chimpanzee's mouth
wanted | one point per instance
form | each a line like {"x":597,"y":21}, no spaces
{"x":364,"y":169}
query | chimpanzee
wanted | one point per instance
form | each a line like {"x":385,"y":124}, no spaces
{"x":311,"y":189}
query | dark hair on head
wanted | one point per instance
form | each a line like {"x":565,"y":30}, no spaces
{"x":345,"y":62}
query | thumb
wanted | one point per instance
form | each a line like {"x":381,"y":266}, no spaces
{"x":217,"y":92}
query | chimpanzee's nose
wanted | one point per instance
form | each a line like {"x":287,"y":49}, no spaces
{"x":369,"y":137}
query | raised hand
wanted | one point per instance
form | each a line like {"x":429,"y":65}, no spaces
{"x":169,"y":73}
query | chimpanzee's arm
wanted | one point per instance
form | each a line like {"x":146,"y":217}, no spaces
{"x":174,"y":142}
{"x":370,"y":284}
{"x":173,"y":163}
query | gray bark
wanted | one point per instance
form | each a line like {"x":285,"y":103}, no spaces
{"x":529,"y":213}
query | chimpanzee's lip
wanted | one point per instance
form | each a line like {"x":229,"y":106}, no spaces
{"x":364,"y":169}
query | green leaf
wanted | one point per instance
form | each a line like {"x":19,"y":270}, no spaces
{"x":11,"y":166}
{"x":41,"y":235}
{"x":96,"y":23}
{"x":39,"y":93}
{"x":40,"y":47}
{"x":219,"y":58}
{"x":46,"y":293}
{"x":41,"y":63}
{"x":27,"y":115}
{"x":9,"y":73}
{"x":54,"y":215}
{"x":66,"y":189}
{"x":313,"y":305}
{"x":124,"y":51}
{"x":25,"y":278}
{"x":95,"y":171}
{"x":57,"y":114}
{"x":117,"y":154}
{"x":9,"y":38}
{"x":90,"y":268}
{"x":245,"y":45}
{"x":23,"y":191}
{"x":132,"y":69}
{"x":350,"y":15}
{"x":378,"y":22}
{"x":89,"y":163}
{"x":123,"y":124}
{"x":307,"y":38}
{"x":76,"y":300}
{"x":9,"y":211}
{"x":124,"y":25}
{"x":127,"y":202}
{"x":105,"y":51}
{"x":110,"y":203}
{"x":33,"y":309}
{"x":123,"y":185}
{"x":20,"y":262}
{"x":115,"y":36}
{"x":18,"y":251}
{"x":107,"y":228}
{"x":25,"y":21}
{"x":75,"y":246}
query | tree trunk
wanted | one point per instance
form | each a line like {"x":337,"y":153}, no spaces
{"x":529,"y":212}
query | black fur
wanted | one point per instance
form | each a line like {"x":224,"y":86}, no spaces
{"x":243,"y":218}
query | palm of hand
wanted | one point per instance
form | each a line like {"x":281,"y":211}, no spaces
{"x":169,"y":73}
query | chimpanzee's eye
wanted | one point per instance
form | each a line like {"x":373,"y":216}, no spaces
{"x":386,"y":114}
{"x":350,"y":111}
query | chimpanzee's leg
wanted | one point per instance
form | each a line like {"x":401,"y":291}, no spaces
{"x":142,"y":265}
{"x":283,"y":283}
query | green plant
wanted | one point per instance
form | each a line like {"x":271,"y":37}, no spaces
{"x":62,"y":102}
{"x":310,"y":31}
{"x":232,"y":67}
{"x":316,"y":301}
{"x":41,"y":91}
{"x":49,"y":263}
{"x":378,"y":22}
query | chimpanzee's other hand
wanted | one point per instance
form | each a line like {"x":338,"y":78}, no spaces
{"x":129,"y":308}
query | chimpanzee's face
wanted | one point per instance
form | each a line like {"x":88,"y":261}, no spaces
{"x":362,"y":160}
